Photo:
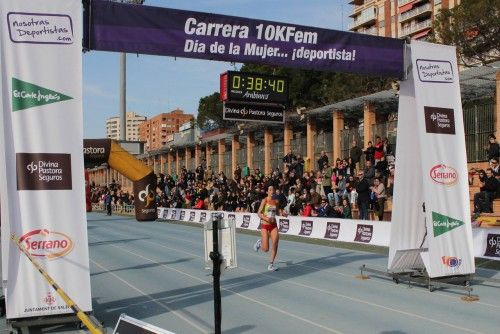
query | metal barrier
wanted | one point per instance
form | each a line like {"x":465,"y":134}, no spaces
{"x":116,"y":208}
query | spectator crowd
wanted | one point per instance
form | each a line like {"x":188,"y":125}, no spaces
{"x":333,"y":189}
{"x":359,"y":184}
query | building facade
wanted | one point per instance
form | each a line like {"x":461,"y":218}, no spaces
{"x":133,"y":121}
{"x":396,"y":18}
{"x":158,"y":130}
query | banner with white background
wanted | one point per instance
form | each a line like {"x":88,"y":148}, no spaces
{"x":41,"y":127}
{"x":432,"y":94}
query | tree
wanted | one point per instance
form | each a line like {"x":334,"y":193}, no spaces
{"x":210,"y":113}
{"x":473,"y":27}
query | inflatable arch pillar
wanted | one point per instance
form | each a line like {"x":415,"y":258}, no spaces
{"x":108,"y":151}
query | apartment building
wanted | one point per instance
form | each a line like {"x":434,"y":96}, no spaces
{"x":396,"y":18}
{"x":132,"y":121}
{"x":157,"y":131}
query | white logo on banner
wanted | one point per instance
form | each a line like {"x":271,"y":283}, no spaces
{"x":434,"y":71}
{"x":32,"y":167}
{"x":40,"y":28}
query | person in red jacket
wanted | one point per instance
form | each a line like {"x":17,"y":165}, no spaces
{"x":199,"y":204}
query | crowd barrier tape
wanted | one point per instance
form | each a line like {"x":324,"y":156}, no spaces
{"x":347,"y":230}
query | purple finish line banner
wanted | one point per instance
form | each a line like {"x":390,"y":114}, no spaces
{"x":179,"y":33}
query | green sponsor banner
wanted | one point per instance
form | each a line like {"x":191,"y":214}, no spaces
{"x":442,"y":224}
{"x":27,"y":95}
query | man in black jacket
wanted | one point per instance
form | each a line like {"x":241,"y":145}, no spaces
{"x":483,"y":200}
{"x":363,"y":190}
{"x":355,"y":153}
{"x":322,"y":161}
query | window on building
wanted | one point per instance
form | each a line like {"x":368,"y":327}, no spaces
{"x":381,"y":24}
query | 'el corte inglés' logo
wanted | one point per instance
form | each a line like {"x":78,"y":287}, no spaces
{"x":47,"y":244}
{"x":442,"y":224}
{"x":27,"y":95}
{"x":43,"y":171}
{"x":444,"y":175}
{"x":37,"y":28}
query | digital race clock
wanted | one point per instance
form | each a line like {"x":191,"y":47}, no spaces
{"x":254,"y":87}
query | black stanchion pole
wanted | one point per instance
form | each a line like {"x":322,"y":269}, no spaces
{"x":216,"y":258}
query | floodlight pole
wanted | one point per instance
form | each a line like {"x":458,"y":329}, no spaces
{"x":215,"y":256}
{"x":123,"y":95}
{"x":123,"y":83}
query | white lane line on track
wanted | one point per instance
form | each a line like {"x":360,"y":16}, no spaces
{"x":434,"y":294}
{"x":225,"y":289}
{"x":413,"y":315}
{"x":162,"y":305}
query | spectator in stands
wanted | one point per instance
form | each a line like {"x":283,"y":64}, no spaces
{"x":369,"y":172}
{"x":315,"y":198}
{"x":492,"y":149}
{"x":339,"y":189}
{"x":355,"y":153}
{"x":326,"y":181}
{"x":495,"y":167}
{"x":299,"y":166}
{"x":322,"y":161}
{"x":387,"y":147}
{"x":483,"y":200}
{"x":289,"y":159}
{"x":325,"y":209}
{"x":363,"y":191}
{"x":346,"y":209}
{"x":379,"y":149}
{"x":380,"y":196}
{"x":390,"y":181}
{"x":237,"y":173}
{"x":370,"y":153}
{"x":307,"y":209}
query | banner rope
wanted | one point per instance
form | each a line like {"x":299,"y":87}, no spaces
{"x":93,"y":327}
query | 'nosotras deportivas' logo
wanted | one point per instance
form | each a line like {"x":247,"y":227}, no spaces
{"x":27,"y":95}
{"x":47,"y":244}
{"x":442,"y":224}
{"x":444,"y":175}
{"x":43,"y":171}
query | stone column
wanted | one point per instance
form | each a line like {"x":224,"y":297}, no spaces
{"x":208,"y":151}
{"x":197,"y":155}
{"x":221,"y":149}
{"x":187,"y":157}
{"x":369,"y":121}
{"x":268,"y":141}
{"x":311,"y":134}
{"x":287,"y":140}
{"x":250,"y":145}
{"x":338,"y":126}
{"x":235,"y":146}
{"x":177,"y":163}
{"x":170,"y":158}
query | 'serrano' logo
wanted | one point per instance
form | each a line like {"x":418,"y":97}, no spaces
{"x":47,"y":244}
{"x":444,"y":175}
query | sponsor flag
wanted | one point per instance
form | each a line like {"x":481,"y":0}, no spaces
{"x":42,"y":189}
{"x":433,"y":93}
